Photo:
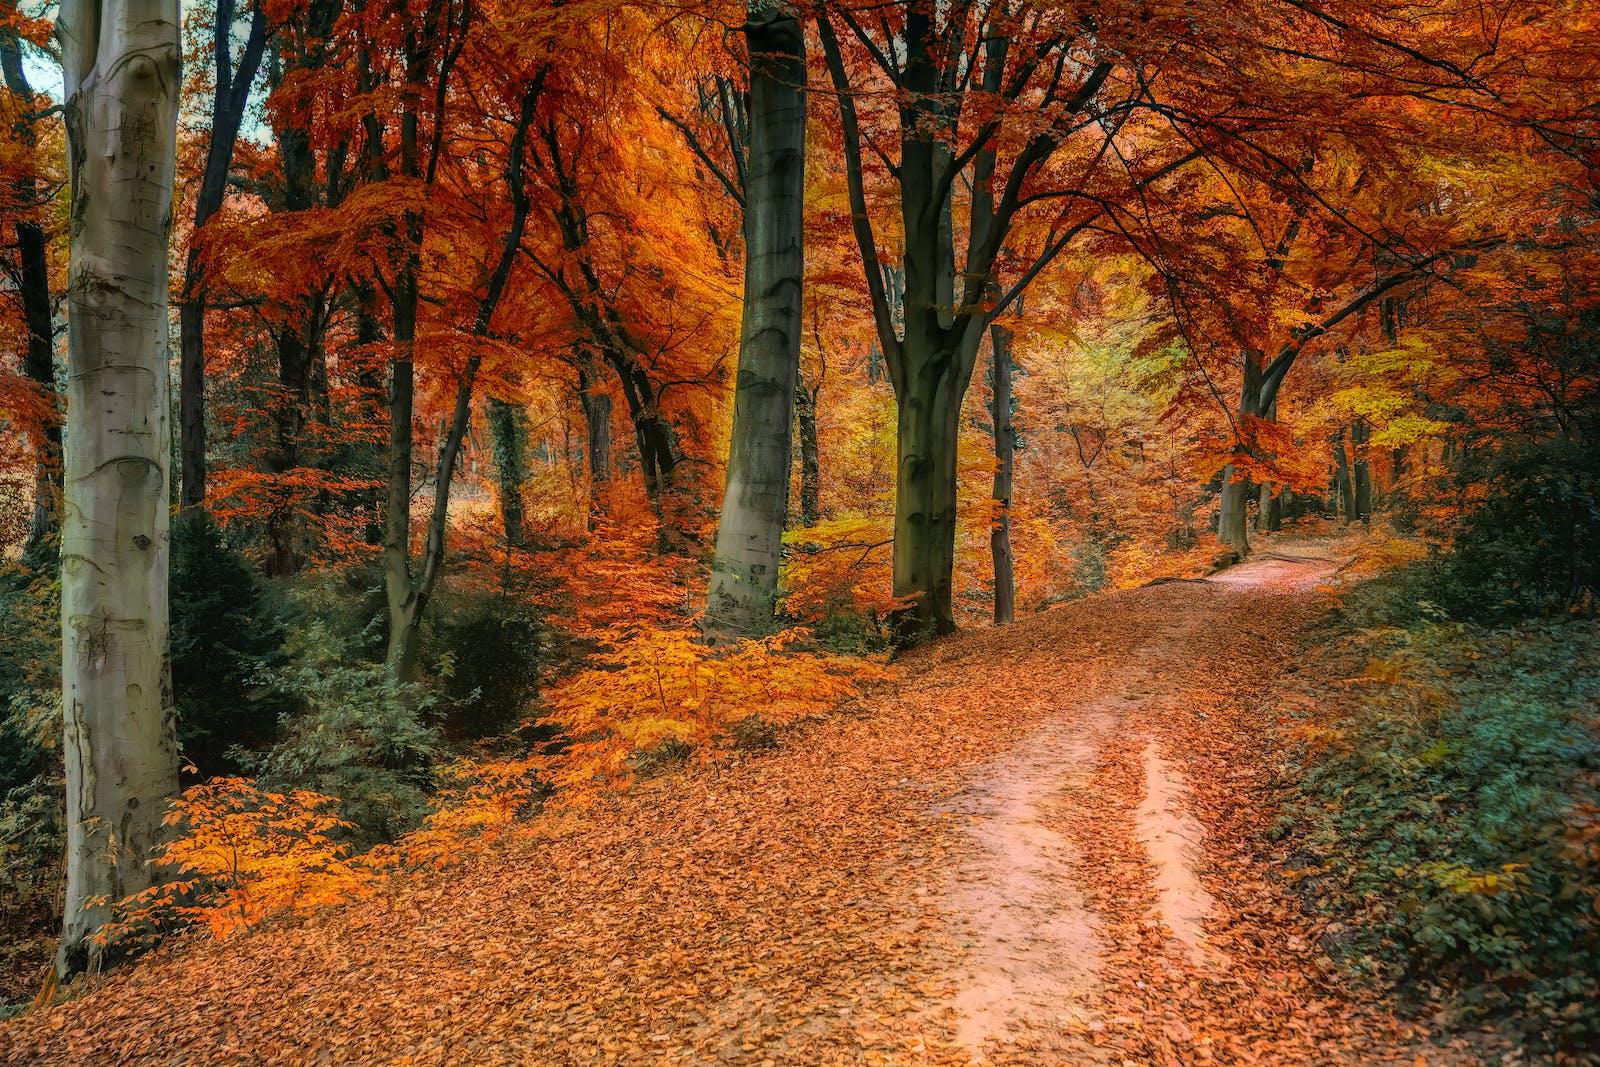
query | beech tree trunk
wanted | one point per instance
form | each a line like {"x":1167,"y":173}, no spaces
{"x":1231,"y":517}
{"x":929,"y":406}
{"x":742,"y":600}
{"x":33,"y":287}
{"x":1005,"y":445}
{"x":121,"y":60}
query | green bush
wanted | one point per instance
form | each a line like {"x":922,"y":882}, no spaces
{"x":30,"y":675}
{"x":1455,"y":815}
{"x":846,"y":632}
{"x":487,"y":655}
{"x":1533,"y":547}
{"x":226,"y":629}
{"x":353,"y":733}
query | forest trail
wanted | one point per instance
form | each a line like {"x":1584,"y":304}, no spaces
{"x":1040,"y":847}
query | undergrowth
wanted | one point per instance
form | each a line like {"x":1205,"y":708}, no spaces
{"x":1446,"y":809}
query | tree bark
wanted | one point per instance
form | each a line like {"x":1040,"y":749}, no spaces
{"x":742,"y":600}
{"x":508,"y":435}
{"x":121,"y":60}
{"x":596,"y":404}
{"x":227,"y":114}
{"x":1361,"y":472}
{"x":1344,"y":487}
{"x":1231,"y":517}
{"x":1005,"y":443}
{"x":805,"y":413}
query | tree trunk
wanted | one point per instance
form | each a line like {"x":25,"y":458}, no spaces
{"x":805,"y":413}
{"x":596,"y":404}
{"x":929,"y":407}
{"x":33,"y":286}
{"x":508,"y":434}
{"x":227,"y":114}
{"x":1005,"y":443}
{"x":1361,"y":472}
{"x":742,"y":600}
{"x":1342,"y":483}
{"x":1269,"y":517}
{"x":1231,"y":518}
{"x":121,"y":60}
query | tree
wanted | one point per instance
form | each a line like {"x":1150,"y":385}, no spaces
{"x":744,"y":572}
{"x":1034,"y":86}
{"x":229,"y":96}
{"x":121,"y":60}
{"x":33,"y":288}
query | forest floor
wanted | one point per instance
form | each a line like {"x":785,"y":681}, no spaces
{"x":1044,"y":845}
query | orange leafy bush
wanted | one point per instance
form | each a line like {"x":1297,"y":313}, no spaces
{"x":242,"y":855}
{"x":655,"y":688}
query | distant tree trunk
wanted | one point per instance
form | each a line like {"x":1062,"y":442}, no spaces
{"x":1343,"y":485}
{"x":227,"y":114}
{"x":1269,"y":517}
{"x":33,"y":287}
{"x":1231,"y":517}
{"x":805,"y":410}
{"x":508,"y":435}
{"x":1361,"y":472}
{"x":596,"y":404}
{"x":1005,"y":443}
{"x":299,"y":347}
{"x":742,"y":600}
{"x":121,"y":60}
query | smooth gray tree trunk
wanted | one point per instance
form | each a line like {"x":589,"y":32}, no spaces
{"x":121,"y":60}
{"x":744,"y":573}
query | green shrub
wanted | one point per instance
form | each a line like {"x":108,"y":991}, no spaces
{"x":30,"y":675}
{"x":1533,"y":547}
{"x":1456,"y":816}
{"x":846,"y":632}
{"x":486,"y":649}
{"x":226,"y":629}
{"x":353,"y":733}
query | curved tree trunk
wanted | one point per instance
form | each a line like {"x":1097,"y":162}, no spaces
{"x":744,"y":573}
{"x":121,"y":61}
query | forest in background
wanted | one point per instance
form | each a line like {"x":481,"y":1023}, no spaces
{"x":516,"y":444}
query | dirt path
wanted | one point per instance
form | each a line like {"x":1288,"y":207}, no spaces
{"x":1042,"y":847}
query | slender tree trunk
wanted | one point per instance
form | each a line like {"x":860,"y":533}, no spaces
{"x":1343,"y":486}
{"x":1005,"y":443}
{"x":121,"y":60}
{"x":742,"y":600}
{"x":508,"y":435}
{"x":805,"y":413}
{"x":33,"y":285}
{"x":596,"y":404}
{"x":227,"y":114}
{"x":1361,"y":472}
